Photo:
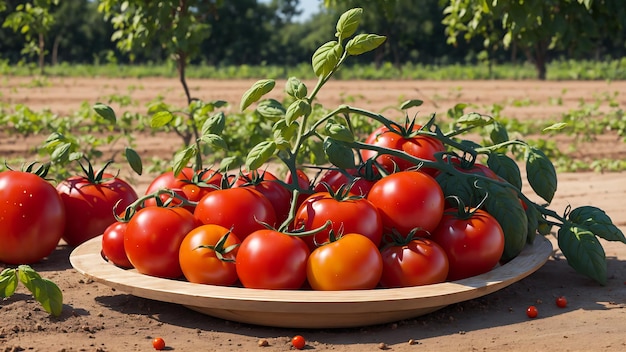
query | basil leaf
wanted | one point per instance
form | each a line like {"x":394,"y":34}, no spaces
{"x":583,"y":251}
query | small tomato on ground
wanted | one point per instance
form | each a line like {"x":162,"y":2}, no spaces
{"x":298,"y":342}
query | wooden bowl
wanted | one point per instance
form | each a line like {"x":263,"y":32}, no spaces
{"x":307,"y":308}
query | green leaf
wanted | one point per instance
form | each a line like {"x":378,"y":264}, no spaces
{"x":498,"y":133}
{"x":596,"y":221}
{"x":134,"y":160}
{"x":348,"y":23}
{"x":45,"y":291}
{"x":271,"y":109}
{"x":105,"y":112}
{"x":182,"y":158}
{"x":533,"y":215}
{"x":295,"y":88}
{"x":326,"y":58}
{"x":283,"y":134}
{"x":61,"y":153}
{"x":338,"y":154}
{"x":540,"y":173}
{"x":229,"y":163}
{"x":583,"y":251}
{"x":258,"y":89}
{"x":506,"y":168}
{"x":260,"y":154}
{"x":339,"y":132}
{"x":503,"y":205}
{"x":215,"y":141}
{"x":8,"y":282}
{"x":363,"y":43}
{"x":474,"y":119}
{"x":215,"y":124}
{"x":161,"y":119}
{"x":296,"y":109}
{"x":555,"y":127}
{"x":411,"y":103}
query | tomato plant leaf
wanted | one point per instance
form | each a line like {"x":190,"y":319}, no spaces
{"x":596,"y":221}
{"x":540,"y":173}
{"x":348,"y":23}
{"x":296,"y":109}
{"x":106,"y":112}
{"x":583,"y":251}
{"x":8,"y":282}
{"x":259,"y":154}
{"x":283,"y":133}
{"x":295,"y":88}
{"x":229,"y":163}
{"x":474,"y":119}
{"x":363,"y":43}
{"x":411,"y":103}
{"x":215,"y":124}
{"x":254,"y":93}
{"x":339,"y":132}
{"x":326,"y":58}
{"x":498,"y":133}
{"x":271,"y":109}
{"x":506,"y":168}
{"x":161,"y":119}
{"x":182,"y":158}
{"x":61,"y":152}
{"x":338,"y":154}
{"x":46,"y":292}
{"x":555,"y":127}
{"x":533,"y":215}
{"x":215,"y":141}
{"x":504,"y":205}
{"x":134,"y":160}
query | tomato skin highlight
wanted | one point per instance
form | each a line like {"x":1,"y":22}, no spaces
{"x":419,"y":262}
{"x":201,"y":265}
{"x":269,"y":259}
{"x":408,"y":200}
{"x":113,"y":244}
{"x":32,"y":218}
{"x":153,"y":237}
{"x":352,"y":262}
{"x":474,"y":245}
{"x":89,"y":206}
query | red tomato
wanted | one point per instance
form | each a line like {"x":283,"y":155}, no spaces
{"x":269,"y":259}
{"x":419,"y":146}
{"x":269,"y":186}
{"x":153,"y":237}
{"x":89,"y":205}
{"x":190,"y":186}
{"x":158,"y":343}
{"x":408,"y":200}
{"x":199,"y":258}
{"x":353,"y":214}
{"x":474,"y":244}
{"x":298,"y":342}
{"x":335,"y":179}
{"x":561,"y":302}
{"x":240,"y":209}
{"x":113,"y":244}
{"x":419,"y":262}
{"x":532,"y":312}
{"x":352,"y":262}
{"x":32,"y":218}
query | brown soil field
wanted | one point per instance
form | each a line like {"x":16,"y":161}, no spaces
{"x":98,"y":318}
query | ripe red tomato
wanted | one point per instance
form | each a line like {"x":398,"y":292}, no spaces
{"x":352,"y":262}
{"x":89,"y":205}
{"x":158,"y":343}
{"x":419,"y":262}
{"x":269,"y":186}
{"x":113,"y":244}
{"x":240,"y":209}
{"x":474,"y":243}
{"x":32,"y":218}
{"x":298,"y":342}
{"x":269,"y":259}
{"x":336,"y":179}
{"x":532,"y":312}
{"x":419,"y":146}
{"x":407,"y":200}
{"x":561,"y":302}
{"x":199,"y":258}
{"x":352,"y":214}
{"x":192,"y":186}
{"x":153,"y":237}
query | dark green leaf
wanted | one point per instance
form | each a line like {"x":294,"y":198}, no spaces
{"x":411,"y":103}
{"x":295,"y":88}
{"x":505,"y":206}
{"x":258,"y":89}
{"x":348,"y":23}
{"x":45,"y":291}
{"x":8,"y":282}
{"x":339,"y":132}
{"x":271,"y":109}
{"x":134,"y":160}
{"x":260,"y":154}
{"x":182,"y":158}
{"x":105,"y":112}
{"x":214,"y":124}
{"x":296,"y":109}
{"x":540,"y":173}
{"x":583,"y":251}
{"x":161,"y":119}
{"x":338,"y":154}
{"x":534,"y":216}
{"x":326,"y":58}
{"x":363,"y":43}
{"x":506,"y":168}
{"x":61,"y":153}
{"x":498,"y":133}
{"x":596,"y":221}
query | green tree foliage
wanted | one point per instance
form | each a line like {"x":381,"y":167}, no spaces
{"x":536,"y":27}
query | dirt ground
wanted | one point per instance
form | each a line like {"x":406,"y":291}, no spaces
{"x":98,"y":318}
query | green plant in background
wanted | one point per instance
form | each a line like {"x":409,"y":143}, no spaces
{"x":44,"y":291}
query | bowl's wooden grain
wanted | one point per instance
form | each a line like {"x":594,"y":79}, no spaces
{"x":306,"y":308}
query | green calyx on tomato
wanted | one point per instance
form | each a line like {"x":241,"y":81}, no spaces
{"x":220,"y":248}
